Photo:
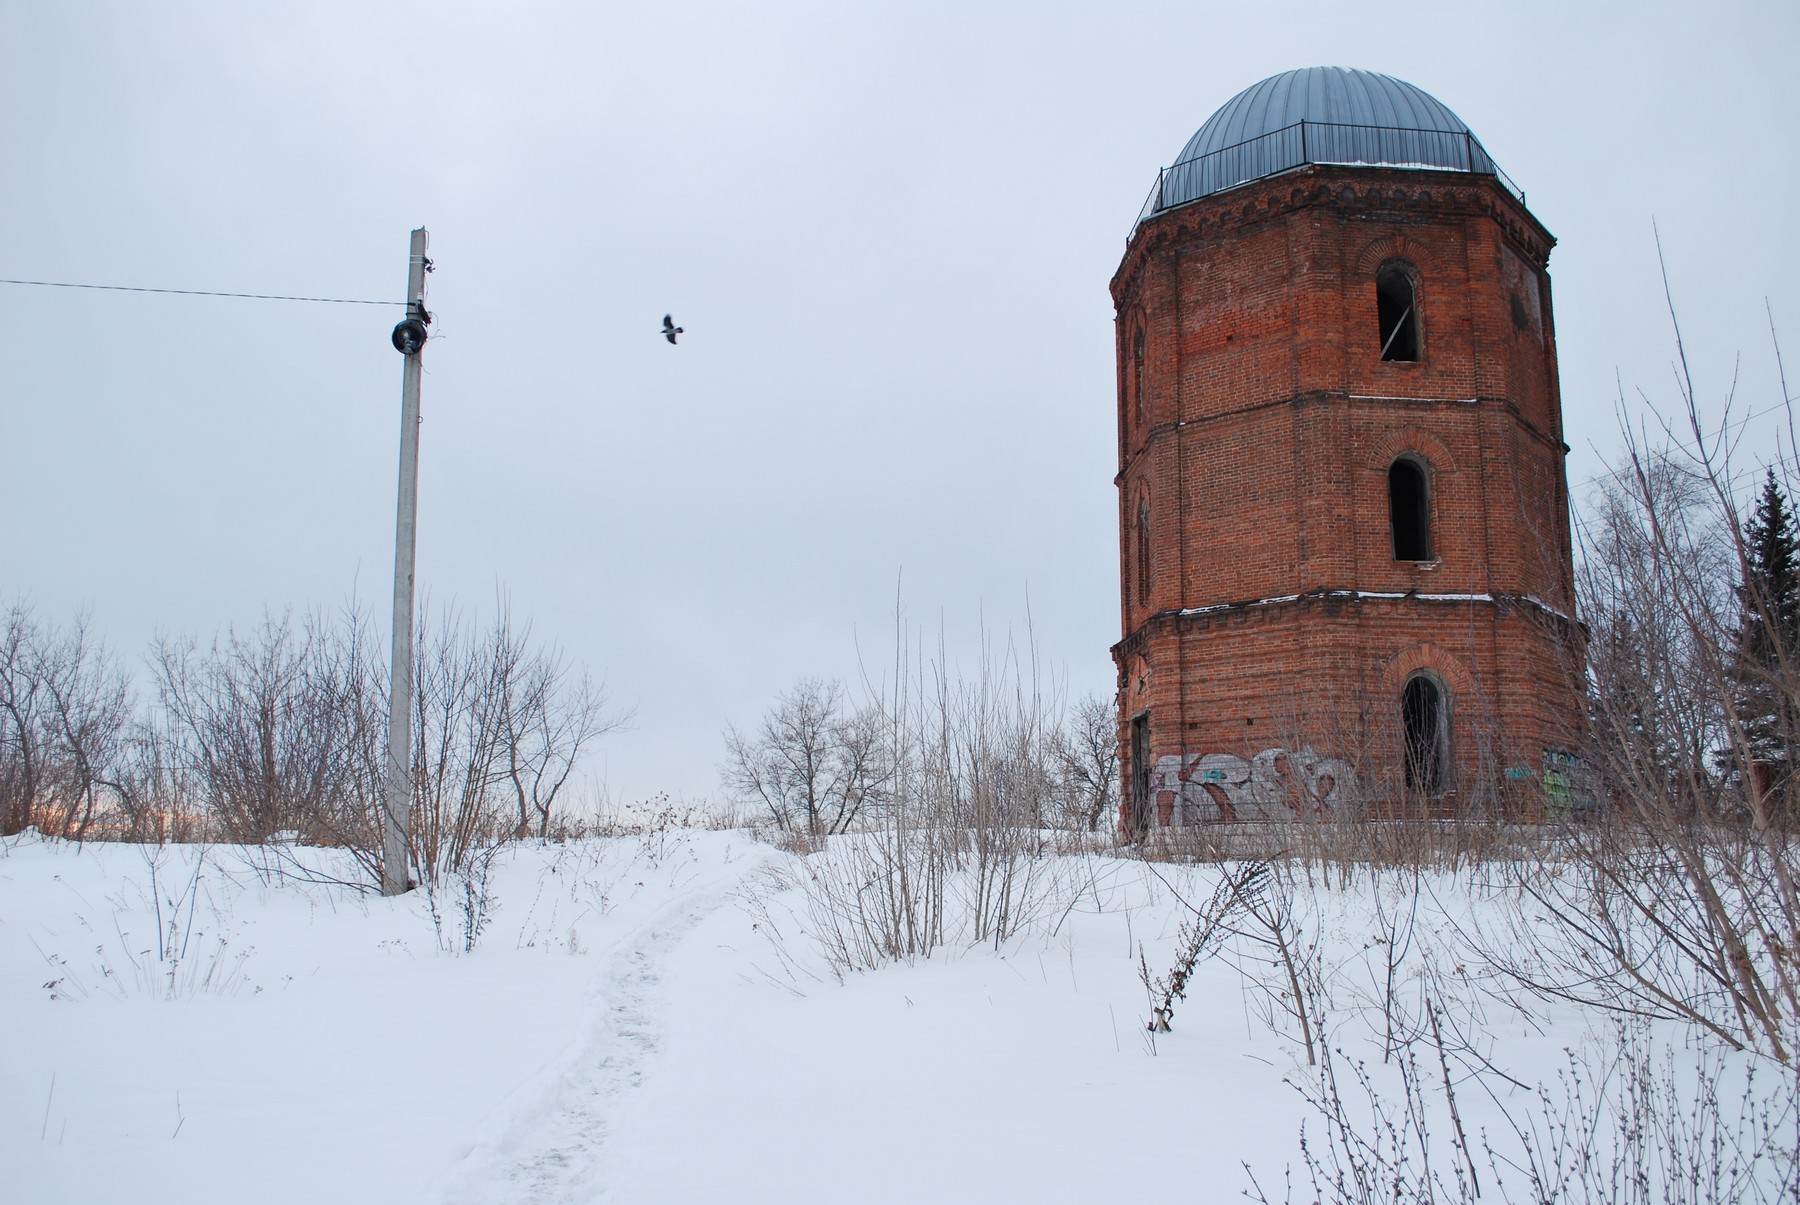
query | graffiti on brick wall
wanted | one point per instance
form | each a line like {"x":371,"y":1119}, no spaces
{"x":1276,"y":784}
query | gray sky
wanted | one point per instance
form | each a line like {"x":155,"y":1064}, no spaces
{"x":888,"y":230}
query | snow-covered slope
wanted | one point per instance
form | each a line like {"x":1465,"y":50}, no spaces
{"x":643,"y":1019}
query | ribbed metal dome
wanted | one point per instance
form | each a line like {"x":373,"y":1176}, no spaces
{"x":1320,"y":115}
{"x":1330,"y":95}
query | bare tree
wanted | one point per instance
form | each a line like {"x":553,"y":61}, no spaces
{"x":1654,"y":582}
{"x":1681,"y":900}
{"x":65,"y":711}
{"x":499,"y":730}
{"x":21,"y":705}
{"x":813,"y":763}
{"x":553,"y":712}
{"x":458,"y":721}
{"x":88,"y":717}
{"x":1086,"y":750}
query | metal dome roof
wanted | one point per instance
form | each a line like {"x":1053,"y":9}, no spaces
{"x":1320,"y":115}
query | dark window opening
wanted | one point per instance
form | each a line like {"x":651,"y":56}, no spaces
{"x":1143,"y":551}
{"x":1520,"y":316}
{"x":1422,"y":713}
{"x":1409,"y":511}
{"x":1140,"y":774}
{"x":1137,"y":372}
{"x":1396,"y":306}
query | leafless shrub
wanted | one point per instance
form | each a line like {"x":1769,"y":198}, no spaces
{"x":1203,"y":931}
{"x":1279,"y":957}
{"x":1377,"y":1149}
{"x":580,"y":883}
{"x":1646,"y":927}
{"x":498,"y":728}
{"x":1669,"y":1130}
{"x":461,"y":900}
{"x":282,"y":731}
{"x":158,"y":799}
{"x":957,"y":851}
{"x":665,"y":813}
{"x":168,"y":936}
{"x":1626,"y":1125}
{"x":278,"y":729}
{"x":1394,"y":940}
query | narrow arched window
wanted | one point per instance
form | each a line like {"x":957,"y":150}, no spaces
{"x":1143,"y":550}
{"x":1425,"y":716}
{"x":1137,"y":372}
{"x":1397,"y":308}
{"x":1409,"y":510}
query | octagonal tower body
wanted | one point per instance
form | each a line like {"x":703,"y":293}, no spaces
{"x":1345,"y":556}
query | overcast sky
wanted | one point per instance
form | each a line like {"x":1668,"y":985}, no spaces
{"x":888,"y":230}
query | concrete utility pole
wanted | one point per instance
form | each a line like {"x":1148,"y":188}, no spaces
{"x":409,"y":340}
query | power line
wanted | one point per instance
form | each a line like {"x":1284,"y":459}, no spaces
{"x":63,"y":284}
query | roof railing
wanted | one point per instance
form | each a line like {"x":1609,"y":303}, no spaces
{"x":1317,"y":142}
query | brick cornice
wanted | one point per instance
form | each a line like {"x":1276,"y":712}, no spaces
{"x":1160,"y":432}
{"x":1337,"y":600}
{"x":1386,"y":193}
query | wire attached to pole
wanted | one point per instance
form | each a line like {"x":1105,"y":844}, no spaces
{"x":63,"y":284}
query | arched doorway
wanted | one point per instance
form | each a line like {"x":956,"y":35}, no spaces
{"x":1425,"y":717}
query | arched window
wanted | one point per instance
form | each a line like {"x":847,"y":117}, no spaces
{"x":1425,"y":715}
{"x":1137,"y":372}
{"x":1397,"y":308}
{"x":1409,"y":510}
{"x":1143,"y":550}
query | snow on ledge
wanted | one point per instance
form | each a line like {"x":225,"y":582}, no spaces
{"x":1387,"y":595}
{"x":1385,"y":397}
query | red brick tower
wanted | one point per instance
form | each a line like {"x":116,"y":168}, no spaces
{"x":1343,"y":511}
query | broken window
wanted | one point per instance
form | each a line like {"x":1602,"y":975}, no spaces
{"x":1409,"y":510}
{"x":1396,"y":305}
{"x":1143,"y":550}
{"x":1425,"y":717}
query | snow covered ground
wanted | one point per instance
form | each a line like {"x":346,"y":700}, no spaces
{"x":644,"y":1019}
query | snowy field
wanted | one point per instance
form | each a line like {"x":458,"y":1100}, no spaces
{"x":648,"y":1018}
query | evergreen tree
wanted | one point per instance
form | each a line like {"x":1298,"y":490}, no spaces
{"x":1768,"y":667}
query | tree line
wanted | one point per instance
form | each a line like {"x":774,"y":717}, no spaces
{"x":819,"y":764}
{"x":278,"y":734}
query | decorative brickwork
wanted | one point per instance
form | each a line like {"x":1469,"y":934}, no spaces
{"x":1269,"y":629}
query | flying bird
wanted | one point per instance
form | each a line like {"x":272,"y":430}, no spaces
{"x":670,"y":330}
